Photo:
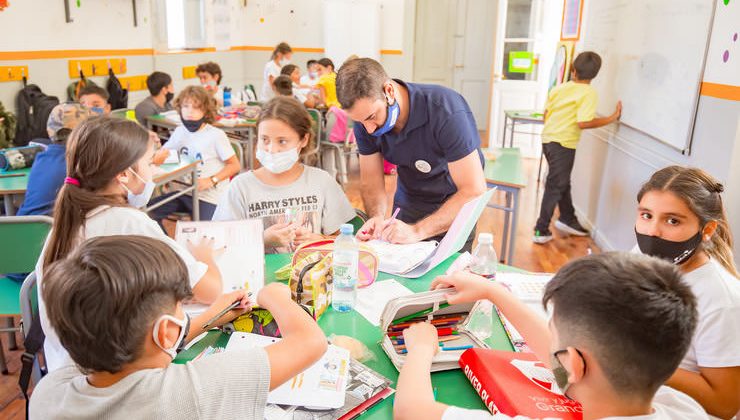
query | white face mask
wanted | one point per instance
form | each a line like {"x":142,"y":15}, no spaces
{"x":280,"y":162}
{"x":284,"y":62}
{"x":142,"y":199}
{"x":184,"y":327}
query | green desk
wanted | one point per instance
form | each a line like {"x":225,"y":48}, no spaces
{"x":506,"y":174}
{"x":518,"y":116}
{"x":13,"y":186}
{"x":452,"y":386}
{"x":244,"y":134}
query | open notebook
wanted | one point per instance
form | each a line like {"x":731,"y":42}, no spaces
{"x":321,"y":386}
{"x":415,"y":260}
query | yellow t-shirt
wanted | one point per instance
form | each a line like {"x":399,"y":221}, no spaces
{"x":567,"y":105}
{"x":329,"y":83}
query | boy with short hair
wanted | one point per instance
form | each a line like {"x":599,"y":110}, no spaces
{"x":312,"y":73}
{"x":621,"y":324}
{"x":116,"y":303}
{"x":161,"y":93}
{"x":95,"y":99}
{"x":210,"y":76}
{"x":570,"y":108}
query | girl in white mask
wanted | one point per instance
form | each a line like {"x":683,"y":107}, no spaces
{"x":297,"y":203}
{"x":109,"y":175}
{"x":280,"y":57}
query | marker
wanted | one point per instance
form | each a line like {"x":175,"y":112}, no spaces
{"x":457,"y":348}
{"x":395,"y":213}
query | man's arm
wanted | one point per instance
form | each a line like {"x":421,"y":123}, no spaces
{"x":467,"y":174}
{"x":373,"y":185}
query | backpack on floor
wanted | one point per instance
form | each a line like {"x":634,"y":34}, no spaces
{"x":117,"y":95}
{"x":34,"y":107}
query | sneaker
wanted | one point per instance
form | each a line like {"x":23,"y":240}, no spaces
{"x":541,"y":237}
{"x":574,"y":228}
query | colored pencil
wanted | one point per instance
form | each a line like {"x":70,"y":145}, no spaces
{"x":418,"y":314}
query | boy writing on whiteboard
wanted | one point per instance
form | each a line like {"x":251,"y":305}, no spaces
{"x":570,"y":108}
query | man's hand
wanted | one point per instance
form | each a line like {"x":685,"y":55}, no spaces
{"x":398,"y":232}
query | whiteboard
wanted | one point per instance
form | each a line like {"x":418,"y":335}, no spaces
{"x":351,"y":27}
{"x":653,"y":60}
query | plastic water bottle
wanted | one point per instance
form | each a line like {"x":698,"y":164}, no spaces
{"x":227,"y":97}
{"x":485,"y":260}
{"x":344,"y":265}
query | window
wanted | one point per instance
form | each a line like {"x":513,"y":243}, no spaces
{"x":184,"y":24}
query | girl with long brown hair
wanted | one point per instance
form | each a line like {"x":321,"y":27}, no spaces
{"x":109,"y":174}
{"x":681,"y":218}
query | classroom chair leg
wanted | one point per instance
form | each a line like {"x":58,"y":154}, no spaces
{"x":3,"y":365}
{"x":12,"y":344}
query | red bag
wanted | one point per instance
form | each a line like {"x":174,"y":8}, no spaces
{"x":516,"y":384}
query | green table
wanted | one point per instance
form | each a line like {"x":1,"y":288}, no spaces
{"x":505,"y":173}
{"x":13,"y":184}
{"x":452,"y":386}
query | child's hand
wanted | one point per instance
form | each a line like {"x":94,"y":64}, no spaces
{"x":204,"y":184}
{"x":272,"y":295}
{"x":160,"y":156}
{"x":421,"y":338}
{"x":280,"y":234}
{"x":469,"y":287}
{"x":618,"y":112}
{"x":370,"y":228}
{"x":303,"y":235}
{"x":204,"y":251}
{"x":227,"y":299}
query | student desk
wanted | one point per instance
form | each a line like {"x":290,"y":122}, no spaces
{"x":13,"y":186}
{"x":522,"y":117}
{"x":452,"y":386}
{"x":505,"y":173}
{"x":245,"y":134}
{"x":16,"y":186}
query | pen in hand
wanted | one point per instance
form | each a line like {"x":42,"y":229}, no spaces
{"x":223,"y":312}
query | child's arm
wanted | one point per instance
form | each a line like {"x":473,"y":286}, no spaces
{"x":232,"y":168}
{"x":222,"y":302}
{"x":602,"y":121}
{"x":716,"y":389}
{"x":414,"y":394}
{"x":322,"y":92}
{"x":210,"y":286}
{"x":160,"y":156}
{"x":303,"y":341}
{"x":470,"y":288}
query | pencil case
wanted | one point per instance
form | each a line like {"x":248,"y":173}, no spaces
{"x":367,"y":266}
{"x":18,"y":157}
{"x":435,"y":300}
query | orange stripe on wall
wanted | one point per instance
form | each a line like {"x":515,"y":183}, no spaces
{"x":717,"y":90}
{"x":391,"y":52}
{"x":38,"y":55}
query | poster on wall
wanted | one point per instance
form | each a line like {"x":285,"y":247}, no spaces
{"x":571,"y":25}
{"x":221,"y":25}
{"x":560,"y":72}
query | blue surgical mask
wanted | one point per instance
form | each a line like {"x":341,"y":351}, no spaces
{"x":390,"y":120}
{"x":97,"y":110}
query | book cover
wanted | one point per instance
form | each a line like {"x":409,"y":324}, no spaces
{"x":516,"y":384}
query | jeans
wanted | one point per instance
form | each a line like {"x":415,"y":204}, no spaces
{"x":557,"y":186}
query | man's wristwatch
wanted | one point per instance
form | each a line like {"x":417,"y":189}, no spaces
{"x":215,"y":180}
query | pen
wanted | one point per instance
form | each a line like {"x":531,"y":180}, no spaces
{"x":457,"y":348}
{"x":223,"y":312}
{"x":395,"y":213}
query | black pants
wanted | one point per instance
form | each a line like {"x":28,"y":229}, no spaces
{"x":557,"y":186}
{"x":183,"y":203}
{"x":411,"y":215}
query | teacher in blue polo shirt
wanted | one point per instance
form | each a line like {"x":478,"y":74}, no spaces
{"x":428,"y":131}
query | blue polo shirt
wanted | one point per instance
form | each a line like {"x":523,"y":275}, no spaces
{"x":46,"y":178}
{"x":440,"y":129}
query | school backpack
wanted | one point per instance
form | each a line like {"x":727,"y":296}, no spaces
{"x":74,"y":88}
{"x":34,"y":107}
{"x":7,"y":127}
{"x":117,"y":95}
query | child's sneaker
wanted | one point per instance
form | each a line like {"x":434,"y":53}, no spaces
{"x":574,"y":228}
{"x":541,"y":237}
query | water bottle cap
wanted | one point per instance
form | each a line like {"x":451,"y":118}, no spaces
{"x":346,"y":229}
{"x":485,"y":238}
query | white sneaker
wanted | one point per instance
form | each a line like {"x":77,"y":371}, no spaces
{"x":571,"y":230}
{"x":539,"y":238}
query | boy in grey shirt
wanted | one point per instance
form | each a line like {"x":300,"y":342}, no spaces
{"x":161,"y":93}
{"x":116,"y":304}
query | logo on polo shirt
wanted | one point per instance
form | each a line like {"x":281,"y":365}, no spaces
{"x":423,"y":166}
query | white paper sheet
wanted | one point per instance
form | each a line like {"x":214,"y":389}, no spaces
{"x":371,"y":300}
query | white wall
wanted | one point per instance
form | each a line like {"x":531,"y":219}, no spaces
{"x":108,"y":25}
{"x":613,"y":162}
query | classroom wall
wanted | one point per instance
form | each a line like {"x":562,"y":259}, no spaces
{"x":613,"y":162}
{"x":106,"y":27}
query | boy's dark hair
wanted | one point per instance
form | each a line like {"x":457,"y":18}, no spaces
{"x":587,"y":65}
{"x":310,"y":62}
{"x":326,"y":62}
{"x":103,"y":299}
{"x":202,"y":100}
{"x":94,"y":90}
{"x":283,"y":85}
{"x":211,"y":68}
{"x":360,"y":78}
{"x":288,"y":69}
{"x":633,"y":312}
{"x":157,"y":81}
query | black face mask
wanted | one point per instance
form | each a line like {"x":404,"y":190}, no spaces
{"x":674,"y":252}
{"x":192,"y":125}
{"x":168,"y":97}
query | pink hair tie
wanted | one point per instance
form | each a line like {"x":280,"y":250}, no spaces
{"x":73,"y":181}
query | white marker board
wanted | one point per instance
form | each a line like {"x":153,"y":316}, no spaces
{"x":653,"y":60}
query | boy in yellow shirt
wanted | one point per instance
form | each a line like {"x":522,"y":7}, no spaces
{"x":327,"y":83}
{"x":570,"y":108}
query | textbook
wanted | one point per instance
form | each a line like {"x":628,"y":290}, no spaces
{"x":517,"y":384}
